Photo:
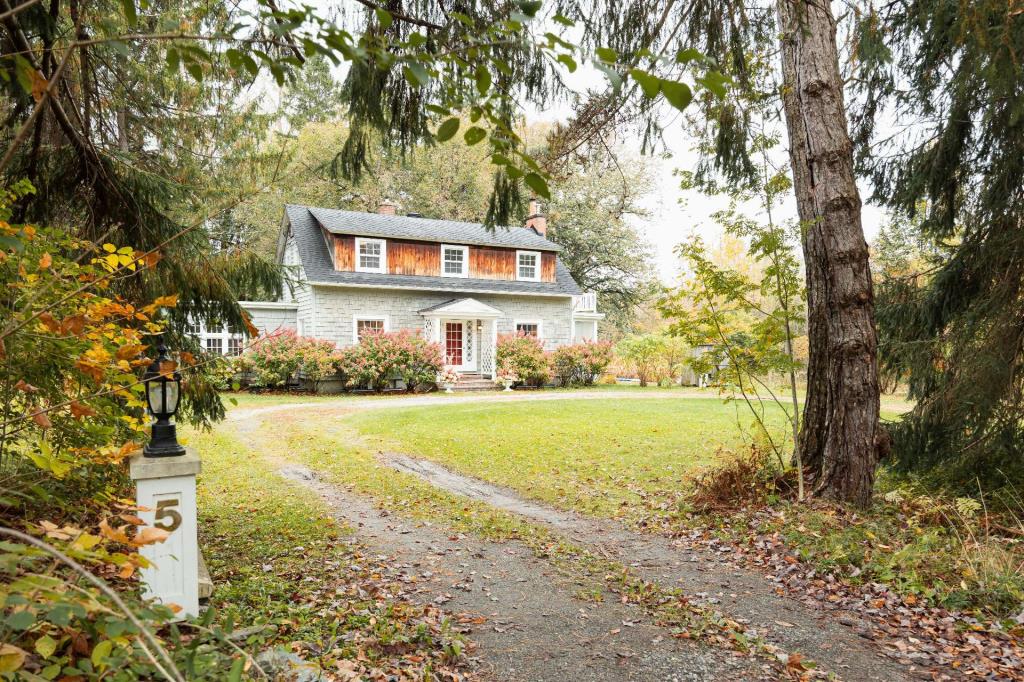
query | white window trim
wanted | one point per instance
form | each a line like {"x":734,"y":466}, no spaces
{"x":201,"y":333}
{"x":356,"y":319}
{"x":465,"y":260}
{"x":519,"y":254}
{"x":383,"y":254}
{"x":539,"y":323}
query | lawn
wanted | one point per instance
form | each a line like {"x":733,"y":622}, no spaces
{"x":276,"y":558}
{"x":598,"y":456}
{"x":636,"y":460}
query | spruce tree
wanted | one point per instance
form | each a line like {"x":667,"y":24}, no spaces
{"x":948,"y":76}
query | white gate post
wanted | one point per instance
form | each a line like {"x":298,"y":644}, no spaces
{"x":166,"y":487}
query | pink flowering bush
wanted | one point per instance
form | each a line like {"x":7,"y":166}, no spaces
{"x":524,"y":357}
{"x":273,"y":358}
{"x":318,"y":360}
{"x":581,"y":363}
{"x":382,"y":357}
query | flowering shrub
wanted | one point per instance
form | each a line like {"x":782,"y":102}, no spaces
{"x":567,"y":365}
{"x":382,"y":357}
{"x":523,"y":356}
{"x":273,"y":358}
{"x":597,"y":356}
{"x":318,"y":359}
{"x":580,"y":364}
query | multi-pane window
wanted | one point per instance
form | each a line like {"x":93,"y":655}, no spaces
{"x":527,"y":265}
{"x":371,"y":255}
{"x":454,"y":261}
{"x":214,"y":345}
{"x":234,"y":345}
{"x":528,"y":329}
{"x":369,"y":325}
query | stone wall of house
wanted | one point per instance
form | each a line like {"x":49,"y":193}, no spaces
{"x":338,"y":307}
{"x":270,"y":320}
{"x":297,"y":290}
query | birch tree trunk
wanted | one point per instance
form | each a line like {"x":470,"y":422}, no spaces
{"x":838,"y":440}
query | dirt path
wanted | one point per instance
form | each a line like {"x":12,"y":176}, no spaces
{"x":520,"y":611}
{"x":537,"y":630}
{"x":741,"y":594}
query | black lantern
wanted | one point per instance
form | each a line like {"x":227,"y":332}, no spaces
{"x":163,"y":391}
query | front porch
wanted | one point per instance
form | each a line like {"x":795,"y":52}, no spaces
{"x":468,"y":332}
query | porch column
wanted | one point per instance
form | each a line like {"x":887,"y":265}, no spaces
{"x":494,"y":349}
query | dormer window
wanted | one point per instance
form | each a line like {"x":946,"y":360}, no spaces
{"x":454,"y":261}
{"x":371,"y":255}
{"x":528,"y":266}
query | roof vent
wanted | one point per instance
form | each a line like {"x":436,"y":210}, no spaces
{"x":414,"y":215}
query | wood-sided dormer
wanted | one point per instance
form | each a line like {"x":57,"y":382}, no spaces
{"x":432,"y":259}
{"x":386,"y":243}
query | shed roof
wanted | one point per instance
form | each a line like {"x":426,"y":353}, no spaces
{"x":429,"y":229}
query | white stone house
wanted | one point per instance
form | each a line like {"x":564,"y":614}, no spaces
{"x":457,"y":283}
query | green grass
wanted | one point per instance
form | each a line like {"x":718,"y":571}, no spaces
{"x":334,"y":450}
{"x":276,"y":559}
{"x":600,"y":457}
{"x":636,"y":460}
{"x":331,"y":448}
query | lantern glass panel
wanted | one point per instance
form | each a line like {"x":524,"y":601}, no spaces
{"x":156,"y":396}
{"x":171,"y":397}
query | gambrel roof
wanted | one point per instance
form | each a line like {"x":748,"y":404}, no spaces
{"x":305,"y":224}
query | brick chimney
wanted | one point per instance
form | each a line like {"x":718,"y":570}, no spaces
{"x":536,"y":218}
{"x":386,"y":207}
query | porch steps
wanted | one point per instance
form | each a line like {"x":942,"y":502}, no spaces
{"x":474,"y":382}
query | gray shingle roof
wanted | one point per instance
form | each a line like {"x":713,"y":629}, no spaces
{"x":428,"y":230}
{"x":316,"y":261}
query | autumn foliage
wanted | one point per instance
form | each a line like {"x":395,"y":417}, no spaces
{"x":72,"y":348}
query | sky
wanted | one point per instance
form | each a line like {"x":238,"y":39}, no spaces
{"x":675,"y":214}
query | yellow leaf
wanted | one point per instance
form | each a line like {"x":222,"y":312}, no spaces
{"x":11,"y":658}
{"x":166,"y":301}
{"x":86,"y":541}
{"x":109,"y":248}
{"x":100,"y":652}
{"x":45,"y":646}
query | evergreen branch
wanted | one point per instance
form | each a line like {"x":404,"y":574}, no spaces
{"x":405,"y":18}
{"x":41,"y":104}
{"x":12,"y":11}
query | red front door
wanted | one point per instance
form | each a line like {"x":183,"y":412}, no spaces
{"x":453,"y":343}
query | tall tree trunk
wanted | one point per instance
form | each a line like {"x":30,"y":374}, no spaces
{"x":841,"y":412}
